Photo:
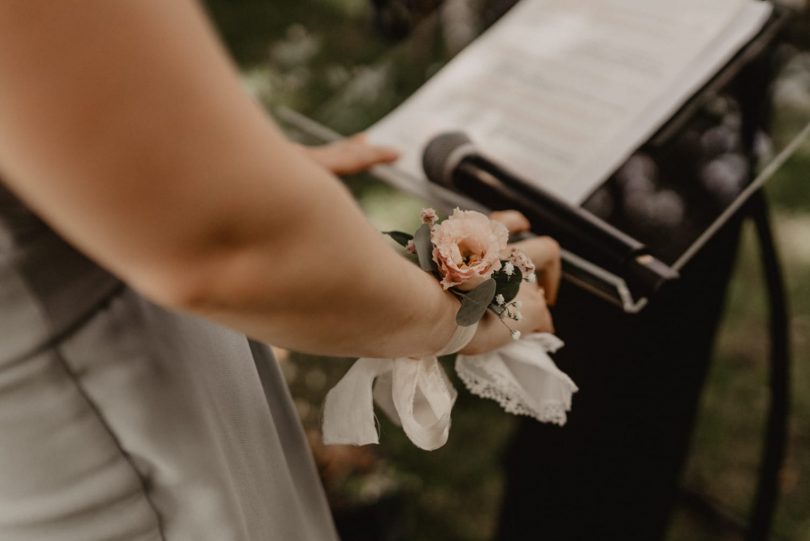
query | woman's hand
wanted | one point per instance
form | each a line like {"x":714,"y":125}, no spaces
{"x":543,"y":251}
{"x":350,"y":155}
{"x":534,"y":297}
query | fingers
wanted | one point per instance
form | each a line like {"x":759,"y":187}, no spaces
{"x":351,"y":155}
{"x":543,"y":251}
{"x":514,"y":221}
{"x":545,"y":254}
{"x":547,"y":325}
{"x":493,"y":332}
{"x":363,"y":155}
{"x":534,"y":309}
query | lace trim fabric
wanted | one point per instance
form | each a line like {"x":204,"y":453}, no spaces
{"x":522,"y":378}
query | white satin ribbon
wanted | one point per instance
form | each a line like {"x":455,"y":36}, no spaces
{"x":414,"y":393}
{"x":417,"y":395}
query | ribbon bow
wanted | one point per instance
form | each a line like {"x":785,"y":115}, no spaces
{"x":417,"y":395}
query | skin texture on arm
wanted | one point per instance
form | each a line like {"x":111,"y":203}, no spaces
{"x":124,"y":125}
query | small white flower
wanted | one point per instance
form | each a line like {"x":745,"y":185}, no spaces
{"x":411,"y":247}
{"x":518,"y":304}
{"x":532,"y":278}
{"x":518,"y":316}
{"x":509,"y":269}
{"x":515,"y":335}
{"x":499,"y":299}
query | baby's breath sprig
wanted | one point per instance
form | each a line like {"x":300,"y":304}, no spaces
{"x":505,"y":306}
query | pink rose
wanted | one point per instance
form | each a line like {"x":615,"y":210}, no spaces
{"x":467,"y":248}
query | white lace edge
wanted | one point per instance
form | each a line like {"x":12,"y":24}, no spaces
{"x":551,"y":411}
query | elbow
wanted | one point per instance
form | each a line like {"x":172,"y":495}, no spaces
{"x":226,"y":271}
{"x":181,"y":288}
{"x":186,"y":294}
{"x":219,"y":281}
{"x":191,"y":282}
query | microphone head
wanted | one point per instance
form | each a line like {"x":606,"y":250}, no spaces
{"x":443,"y":153}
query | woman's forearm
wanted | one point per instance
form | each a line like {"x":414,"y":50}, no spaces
{"x":141,"y":148}
{"x":319,"y":278}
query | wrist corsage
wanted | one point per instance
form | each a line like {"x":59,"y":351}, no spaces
{"x":469,"y":255}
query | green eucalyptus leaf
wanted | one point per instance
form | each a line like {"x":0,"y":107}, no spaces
{"x":424,"y":248}
{"x":400,"y":237}
{"x":508,"y":286}
{"x":474,"y":303}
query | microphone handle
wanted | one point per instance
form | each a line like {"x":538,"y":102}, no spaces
{"x":577,"y":229}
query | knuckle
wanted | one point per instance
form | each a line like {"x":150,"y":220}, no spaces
{"x":552,"y":246}
{"x":512,"y":219}
{"x":544,"y":322}
{"x":515,"y":215}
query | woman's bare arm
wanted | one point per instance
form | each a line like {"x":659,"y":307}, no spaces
{"x":124,"y":125}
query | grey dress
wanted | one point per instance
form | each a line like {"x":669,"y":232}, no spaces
{"x":120,"y":420}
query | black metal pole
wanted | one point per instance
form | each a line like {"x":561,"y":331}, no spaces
{"x":776,"y":430}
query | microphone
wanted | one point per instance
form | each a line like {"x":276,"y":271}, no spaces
{"x":452,"y":161}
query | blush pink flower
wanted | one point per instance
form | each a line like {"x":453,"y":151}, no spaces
{"x":467,"y":248}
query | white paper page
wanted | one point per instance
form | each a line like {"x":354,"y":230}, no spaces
{"x":562,"y":91}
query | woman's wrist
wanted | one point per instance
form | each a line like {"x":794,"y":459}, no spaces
{"x":442,"y":325}
{"x":485,"y":336}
